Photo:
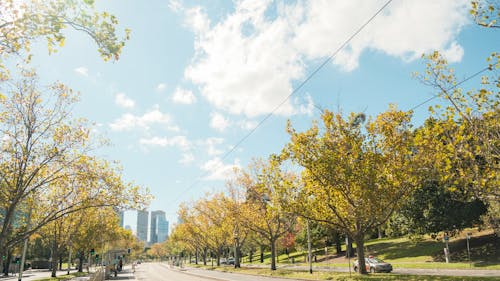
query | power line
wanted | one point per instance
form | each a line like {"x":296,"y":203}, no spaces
{"x":450,"y":88}
{"x":292,"y":93}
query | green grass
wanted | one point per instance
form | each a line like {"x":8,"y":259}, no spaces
{"x":317,"y":275}
{"x":425,"y":252}
{"x":64,"y":277}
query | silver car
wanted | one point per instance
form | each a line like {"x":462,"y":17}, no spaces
{"x":374,"y":264}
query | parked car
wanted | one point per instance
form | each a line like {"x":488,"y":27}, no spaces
{"x":374,"y":264}
{"x":227,"y":261}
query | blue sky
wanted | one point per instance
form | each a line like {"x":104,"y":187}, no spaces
{"x":197,"y":76}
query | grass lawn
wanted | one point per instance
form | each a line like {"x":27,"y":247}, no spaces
{"x":64,"y":277}
{"x":316,"y":275}
{"x":425,"y":252}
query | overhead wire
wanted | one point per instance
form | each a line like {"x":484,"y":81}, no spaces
{"x":451,"y":88}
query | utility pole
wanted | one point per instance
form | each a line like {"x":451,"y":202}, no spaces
{"x":309,"y":247}
{"x":23,"y":258}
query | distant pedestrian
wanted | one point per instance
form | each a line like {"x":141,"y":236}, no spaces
{"x":120,"y":264}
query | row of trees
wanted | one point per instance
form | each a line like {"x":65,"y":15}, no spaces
{"x":358,"y":175}
{"x":53,"y":189}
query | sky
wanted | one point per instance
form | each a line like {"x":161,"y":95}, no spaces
{"x":183,"y":104}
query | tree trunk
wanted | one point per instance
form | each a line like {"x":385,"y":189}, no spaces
{"x":273,"y":254}
{"x":205,"y":256}
{"x":349,"y":248}
{"x":237,"y":254}
{"x":6,"y":263}
{"x":338,"y":245}
{"x":261,"y":254}
{"x":80,"y":261}
{"x":54,"y":259}
{"x":250,"y":256}
{"x":360,"y":250}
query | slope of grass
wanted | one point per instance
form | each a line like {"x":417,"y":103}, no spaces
{"x":318,"y":275}
{"x":425,"y":252}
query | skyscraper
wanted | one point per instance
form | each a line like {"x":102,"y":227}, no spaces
{"x":162,"y":229}
{"x":142,"y":225}
{"x":159,"y":227}
{"x":121,"y":215}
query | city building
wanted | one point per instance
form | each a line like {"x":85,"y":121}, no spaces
{"x":121,"y":215}
{"x":159,"y":227}
{"x":162,"y":229}
{"x":142,"y":225}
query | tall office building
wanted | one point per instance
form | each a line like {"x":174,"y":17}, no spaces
{"x":159,"y":227}
{"x":121,"y":215}
{"x":142,"y":225}
{"x":162,"y":229}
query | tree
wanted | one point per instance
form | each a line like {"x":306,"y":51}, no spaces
{"x":354,"y":176}
{"x":208,"y":223}
{"x":433,"y":208}
{"x":268,"y":190}
{"x":22,"y":22}
{"x":486,"y":13}
{"x":45,"y":168}
{"x":463,"y":146}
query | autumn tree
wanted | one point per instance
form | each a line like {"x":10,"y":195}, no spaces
{"x":234,"y":202}
{"x":462,"y":147}
{"x":46,"y":171}
{"x":268,"y":190}
{"x":354,"y":175}
{"x":22,"y":22}
{"x":486,"y":13}
{"x":208,"y":223}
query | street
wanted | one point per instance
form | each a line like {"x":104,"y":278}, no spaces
{"x":162,"y":272}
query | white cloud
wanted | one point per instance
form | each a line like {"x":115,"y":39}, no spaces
{"x":306,"y":106}
{"x":175,"y":6}
{"x":212,"y":144}
{"x":197,"y":20}
{"x":247,"y":62}
{"x":178,"y":141}
{"x":454,"y":53}
{"x":217,"y":170}
{"x":82,"y":71}
{"x":161,"y":87}
{"x":183,"y":96}
{"x":218,"y":121}
{"x":122,"y":100}
{"x":187,"y":158}
{"x":130,"y":121}
{"x":248,"y":124}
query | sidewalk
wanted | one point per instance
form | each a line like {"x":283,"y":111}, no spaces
{"x":33,"y":275}
{"x":125,"y":274}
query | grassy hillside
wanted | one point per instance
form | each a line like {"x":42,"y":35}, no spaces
{"x":425,"y":252}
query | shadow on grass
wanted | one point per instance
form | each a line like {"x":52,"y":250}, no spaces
{"x":484,"y":250}
{"x":405,"y":249}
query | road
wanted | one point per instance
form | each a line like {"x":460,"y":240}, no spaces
{"x":157,"y":272}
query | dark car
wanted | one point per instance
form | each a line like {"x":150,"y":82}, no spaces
{"x":374,"y":264}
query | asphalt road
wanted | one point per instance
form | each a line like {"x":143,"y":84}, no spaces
{"x":156,"y":271}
